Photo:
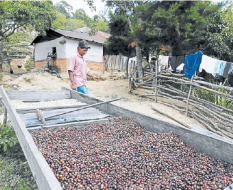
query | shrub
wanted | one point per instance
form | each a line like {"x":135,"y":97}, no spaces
{"x":29,"y":65}
{"x":14,"y":169}
{"x":7,"y":138}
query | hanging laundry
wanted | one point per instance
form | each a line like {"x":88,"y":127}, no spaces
{"x":180,"y":68}
{"x":176,"y":61}
{"x":227,"y":69}
{"x":231,"y":69}
{"x":192,"y":62}
{"x":208,"y":64}
{"x":219,"y":68}
{"x":164,"y":60}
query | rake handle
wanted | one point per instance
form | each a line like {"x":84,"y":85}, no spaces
{"x":81,"y":108}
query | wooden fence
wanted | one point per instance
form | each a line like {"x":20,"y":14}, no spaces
{"x":118,"y":62}
{"x":210,"y":104}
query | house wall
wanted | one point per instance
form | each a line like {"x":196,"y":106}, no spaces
{"x":62,"y":64}
{"x":95,"y":66}
{"x":94,"y":56}
{"x":42,"y":49}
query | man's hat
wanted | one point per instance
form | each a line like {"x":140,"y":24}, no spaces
{"x":83,"y":44}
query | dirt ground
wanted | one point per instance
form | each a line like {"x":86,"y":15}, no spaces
{"x":105,"y":90}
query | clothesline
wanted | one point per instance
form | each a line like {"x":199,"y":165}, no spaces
{"x":198,"y":62}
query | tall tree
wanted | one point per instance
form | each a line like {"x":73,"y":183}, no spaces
{"x":67,"y":24}
{"x":80,"y":14}
{"x":31,"y":14}
{"x":183,"y":24}
{"x":119,"y":41}
{"x":217,"y":41}
{"x":63,"y":7}
{"x":128,"y":9}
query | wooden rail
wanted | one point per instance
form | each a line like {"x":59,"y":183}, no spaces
{"x":41,"y":171}
{"x":215,"y":117}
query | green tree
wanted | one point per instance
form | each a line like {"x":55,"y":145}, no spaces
{"x":102,"y":26}
{"x":63,"y":7}
{"x":27,"y":14}
{"x":218,"y":38}
{"x":187,"y":26}
{"x":80,"y":14}
{"x":60,"y":22}
{"x":67,"y":24}
{"x":119,"y":40}
{"x":128,"y":10}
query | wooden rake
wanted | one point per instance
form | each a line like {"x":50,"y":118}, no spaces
{"x":40,"y":114}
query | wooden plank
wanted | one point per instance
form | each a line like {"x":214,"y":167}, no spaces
{"x":84,"y":107}
{"x":33,"y":96}
{"x":30,"y":110}
{"x":31,"y":119}
{"x":156,"y":79}
{"x":41,"y":171}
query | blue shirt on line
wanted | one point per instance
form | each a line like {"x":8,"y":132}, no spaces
{"x":192,"y":62}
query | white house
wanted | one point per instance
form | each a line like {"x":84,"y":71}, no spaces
{"x":64,"y":43}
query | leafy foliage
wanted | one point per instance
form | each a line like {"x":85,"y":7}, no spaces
{"x":7,"y":138}
{"x":120,"y":35}
{"x":25,"y":14}
{"x":218,"y":38}
{"x":68,"y":20}
{"x":63,"y":7}
{"x":68,"y":24}
{"x":29,"y":65}
{"x":188,"y":26}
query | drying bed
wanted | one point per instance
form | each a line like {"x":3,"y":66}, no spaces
{"x":120,"y":154}
{"x":203,"y":142}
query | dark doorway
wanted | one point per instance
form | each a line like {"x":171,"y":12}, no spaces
{"x":54,"y":50}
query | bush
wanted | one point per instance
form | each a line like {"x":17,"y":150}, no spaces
{"x":29,"y":65}
{"x":14,"y":169}
{"x":7,"y":138}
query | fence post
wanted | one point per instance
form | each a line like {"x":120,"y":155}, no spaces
{"x":190,"y":90}
{"x":129,"y":84}
{"x":156,"y":76}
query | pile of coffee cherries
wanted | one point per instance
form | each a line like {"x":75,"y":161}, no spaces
{"x":120,"y":154}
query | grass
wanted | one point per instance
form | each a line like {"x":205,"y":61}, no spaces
{"x":14,"y":169}
{"x":15,"y":174}
{"x":209,"y":96}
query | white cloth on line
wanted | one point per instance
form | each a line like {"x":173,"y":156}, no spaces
{"x":207,"y":63}
{"x":164,"y":60}
{"x":180,"y":67}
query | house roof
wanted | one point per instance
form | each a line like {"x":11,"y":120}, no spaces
{"x":81,"y":33}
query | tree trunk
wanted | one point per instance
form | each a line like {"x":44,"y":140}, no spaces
{"x":139,"y":62}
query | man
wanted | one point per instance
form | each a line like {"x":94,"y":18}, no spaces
{"x":78,"y":70}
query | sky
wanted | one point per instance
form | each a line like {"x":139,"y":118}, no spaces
{"x":77,"y":4}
